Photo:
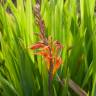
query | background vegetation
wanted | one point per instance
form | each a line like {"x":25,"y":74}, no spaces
{"x":71,"y":22}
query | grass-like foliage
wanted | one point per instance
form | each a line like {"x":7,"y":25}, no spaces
{"x":63,"y":59}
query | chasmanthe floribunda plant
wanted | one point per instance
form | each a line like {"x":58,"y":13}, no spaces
{"x":46,"y":47}
{"x":50,"y":53}
{"x":72,"y":23}
{"x":49,"y":49}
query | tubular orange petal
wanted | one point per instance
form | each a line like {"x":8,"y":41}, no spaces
{"x":46,"y":48}
{"x":46,"y":57}
{"x":45,"y":54}
{"x":37,"y":46}
{"x":57,"y":65}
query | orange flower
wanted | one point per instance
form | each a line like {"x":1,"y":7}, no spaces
{"x":46,"y":57}
{"x":57,"y":65}
{"x":50,"y":53}
{"x":49,"y":49}
{"x":38,"y":45}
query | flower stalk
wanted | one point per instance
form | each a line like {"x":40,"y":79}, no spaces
{"x":47,"y":48}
